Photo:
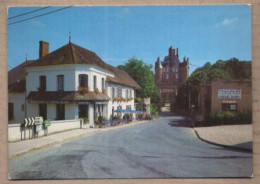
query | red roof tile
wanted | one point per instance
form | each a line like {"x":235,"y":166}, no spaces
{"x":74,"y":54}
{"x":16,"y":78}
{"x":54,"y":96}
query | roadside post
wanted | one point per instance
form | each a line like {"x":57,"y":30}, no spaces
{"x":47,"y":123}
{"x":193,"y":115}
{"x":32,"y":125}
{"x":38,"y":125}
{"x":24,"y":127}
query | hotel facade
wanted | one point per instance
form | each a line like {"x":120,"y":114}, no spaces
{"x":68,"y":83}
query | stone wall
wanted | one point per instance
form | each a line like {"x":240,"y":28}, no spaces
{"x":16,"y":133}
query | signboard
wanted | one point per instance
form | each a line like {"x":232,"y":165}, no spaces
{"x":38,"y":127}
{"x":229,"y":93}
{"x":100,"y":103}
{"x":49,"y":102}
{"x":47,"y":123}
{"x":83,"y":103}
{"x":38,"y":120}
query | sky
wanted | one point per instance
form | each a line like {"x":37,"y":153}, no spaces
{"x":204,"y":33}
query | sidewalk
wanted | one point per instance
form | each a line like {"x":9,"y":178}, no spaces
{"x":236,"y":136}
{"x":21,"y":147}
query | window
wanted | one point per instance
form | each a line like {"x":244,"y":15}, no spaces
{"x":83,"y":80}
{"x":113,"y":93}
{"x":126,"y":95}
{"x":22,"y":107}
{"x":119,"y":92}
{"x":60,"y":82}
{"x":128,"y":107}
{"x":176,"y":69}
{"x":60,"y":111}
{"x":119,"y":107}
{"x":130,"y":93}
{"x":83,"y":111}
{"x":95,"y":81}
{"x":43,"y":111}
{"x":229,"y":106}
{"x":10,"y":111}
{"x":42,"y":83}
{"x":167,"y":76}
{"x":103,"y":83}
{"x":176,"y":75}
{"x":173,"y":69}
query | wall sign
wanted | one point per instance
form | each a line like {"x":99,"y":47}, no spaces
{"x":83,"y":102}
{"x":229,"y":93}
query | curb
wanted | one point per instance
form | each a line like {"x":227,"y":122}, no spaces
{"x":222,"y":145}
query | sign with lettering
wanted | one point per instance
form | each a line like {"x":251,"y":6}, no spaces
{"x":100,"y":103}
{"x":83,"y":102}
{"x":229,"y":94}
{"x":38,"y":127}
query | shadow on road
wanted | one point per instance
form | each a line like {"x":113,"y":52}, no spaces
{"x":177,"y":121}
{"x":234,"y":149}
{"x":181,"y":123}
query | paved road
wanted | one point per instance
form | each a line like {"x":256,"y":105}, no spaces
{"x":165,"y":148}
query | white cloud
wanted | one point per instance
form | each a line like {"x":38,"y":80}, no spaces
{"x":228,"y":21}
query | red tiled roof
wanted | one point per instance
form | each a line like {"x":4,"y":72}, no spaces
{"x":74,"y":54}
{"x":16,"y":78}
{"x":54,"y":96}
{"x":17,"y":87}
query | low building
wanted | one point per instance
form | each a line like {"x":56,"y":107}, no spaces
{"x":68,"y":83}
{"x":225,"y":95}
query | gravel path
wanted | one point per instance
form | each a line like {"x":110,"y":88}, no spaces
{"x":231,"y":135}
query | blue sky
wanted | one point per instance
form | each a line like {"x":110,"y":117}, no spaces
{"x":116,"y":33}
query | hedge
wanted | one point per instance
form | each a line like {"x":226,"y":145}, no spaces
{"x":227,"y":118}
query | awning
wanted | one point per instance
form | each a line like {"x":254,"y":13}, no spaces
{"x":56,"y":97}
{"x":127,"y":111}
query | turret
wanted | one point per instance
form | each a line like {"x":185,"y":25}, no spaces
{"x":171,"y":51}
{"x":158,"y":70}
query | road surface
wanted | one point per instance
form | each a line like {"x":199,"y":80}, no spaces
{"x":163,"y":148}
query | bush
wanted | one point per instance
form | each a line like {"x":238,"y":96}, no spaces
{"x":227,"y":118}
{"x":153,"y":110}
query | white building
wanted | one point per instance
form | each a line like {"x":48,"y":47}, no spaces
{"x":68,"y":83}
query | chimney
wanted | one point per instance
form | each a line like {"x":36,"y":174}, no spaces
{"x":43,"y":48}
{"x":177,"y":54}
{"x":171,"y":51}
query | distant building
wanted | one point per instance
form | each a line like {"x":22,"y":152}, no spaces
{"x":68,"y":83}
{"x":225,"y":95}
{"x":170,"y":73}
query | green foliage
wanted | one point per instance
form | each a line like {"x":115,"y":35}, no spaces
{"x":230,"y":69}
{"x":227,"y":117}
{"x":153,"y":110}
{"x":142,"y":73}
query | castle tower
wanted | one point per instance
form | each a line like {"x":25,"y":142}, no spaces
{"x":170,"y":73}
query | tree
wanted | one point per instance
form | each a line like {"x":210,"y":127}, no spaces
{"x":230,"y":69}
{"x":142,"y":73}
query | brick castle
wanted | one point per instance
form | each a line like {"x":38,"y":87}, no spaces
{"x":170,"y":73}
